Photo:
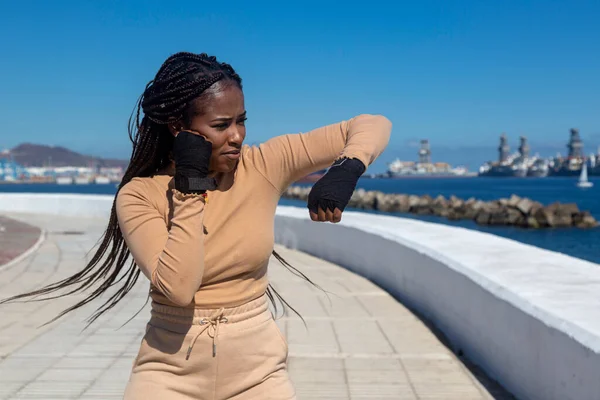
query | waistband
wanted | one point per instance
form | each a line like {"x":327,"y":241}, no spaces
{"x":196,"y":316}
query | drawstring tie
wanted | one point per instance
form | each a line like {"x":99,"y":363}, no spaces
{"x":211,"y":323}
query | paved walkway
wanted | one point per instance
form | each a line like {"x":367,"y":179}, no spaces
{"x":360,"y":342}
{"x":15,"y":238}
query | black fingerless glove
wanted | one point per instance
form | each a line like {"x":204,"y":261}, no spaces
{"x":192,"y":158}
{"x":335,"y":189}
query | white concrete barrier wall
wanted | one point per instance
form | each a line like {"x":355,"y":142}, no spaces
{"x":69,"y":205}
{"x":529,"y":317}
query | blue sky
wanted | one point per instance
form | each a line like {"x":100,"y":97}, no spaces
{"x":456,"y":72}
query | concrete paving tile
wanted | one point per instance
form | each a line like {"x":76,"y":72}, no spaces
{"x":47,"y":390}
{"x":376,"y":364}
{"x":308,"y":306}
{"x":331,"y":287}
{"x":436,"y":372}
{"x":381,"y":391}
{"x":323,"y":391}
{"x":94,"y":362}
{"x":357,"y":284}
{"x":107,"y":387}
{"x":18,"y":362}
{"x":447,"y":392}
{"x":69,"y":374}
{"x":411,"y":338}
{"x":318,"y":376}
{"x":19,"y":373}
{"x":91,"y":350}
{"x":344,"y":307}
{"x":317,"y":337}
{"x":384,"y":306}
{"x":102,"y":396}
{"x":8,"y":388}
{"x":361,"y":337}
{"x":377,"y":377}
{"x":316,"y":364}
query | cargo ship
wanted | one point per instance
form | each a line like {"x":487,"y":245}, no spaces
{"x":518,"y":165}
{"x":572,"y":164}
{"x":424,"y":167}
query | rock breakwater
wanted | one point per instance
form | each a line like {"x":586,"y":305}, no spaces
{"x":513,"y":211}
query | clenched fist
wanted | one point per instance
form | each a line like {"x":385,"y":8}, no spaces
{"x":331,"y":194}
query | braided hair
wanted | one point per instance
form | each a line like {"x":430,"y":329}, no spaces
{"x":182,"y":85}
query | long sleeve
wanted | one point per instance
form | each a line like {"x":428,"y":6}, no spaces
{"x":285,"y":159}
{"x":172,"y":259}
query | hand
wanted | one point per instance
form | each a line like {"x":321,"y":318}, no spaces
{"x":191,"y":153}
{"x":331,"y":194}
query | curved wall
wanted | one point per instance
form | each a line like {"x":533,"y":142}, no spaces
{"x":529,"y":317}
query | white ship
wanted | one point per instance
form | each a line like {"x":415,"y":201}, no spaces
{"x":64,"y":180}
{"x":102,"y":180}
{"x":424,"y":167}
{"x":82,"y":180}
{"x":399,"y":168}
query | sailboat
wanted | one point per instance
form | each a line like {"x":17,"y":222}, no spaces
{"x":583,"y":178}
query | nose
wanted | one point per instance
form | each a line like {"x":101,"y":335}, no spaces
{"x":236,"y":135}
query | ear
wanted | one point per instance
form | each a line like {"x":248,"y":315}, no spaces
{"x":174,"y":128}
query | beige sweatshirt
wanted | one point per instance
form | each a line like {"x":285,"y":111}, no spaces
{"x":216,"y":254}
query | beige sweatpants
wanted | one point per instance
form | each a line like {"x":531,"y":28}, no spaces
{"x":233,"y":353}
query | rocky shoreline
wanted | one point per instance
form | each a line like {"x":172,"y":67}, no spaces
{"x":515,"y":211}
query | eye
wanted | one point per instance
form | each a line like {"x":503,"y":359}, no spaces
{"x":221,"y":127}
{"x":242,"y":121}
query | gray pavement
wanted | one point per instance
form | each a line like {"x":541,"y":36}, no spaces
{"x":15,"y":238}
{"x":360,"y":342}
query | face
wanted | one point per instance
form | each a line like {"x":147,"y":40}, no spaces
{"x":222,"y":122}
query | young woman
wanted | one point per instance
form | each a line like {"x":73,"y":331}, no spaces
{"x":196,"y":211}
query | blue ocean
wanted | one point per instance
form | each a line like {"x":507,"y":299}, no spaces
{"x":575,"y":242}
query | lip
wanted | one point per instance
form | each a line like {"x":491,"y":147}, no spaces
{"x":232,"y":155}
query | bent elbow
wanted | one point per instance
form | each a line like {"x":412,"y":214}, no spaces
{"x":381,"y":127}
{"x":377,"y":120}
{"x":181,"y":299}
{"x":178,"y":293}
{"x":385,"y":123}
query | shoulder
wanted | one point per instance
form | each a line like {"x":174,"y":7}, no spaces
{"x":146,"y":189}
{"x":135,"y":187}
{"x":251,"y":153}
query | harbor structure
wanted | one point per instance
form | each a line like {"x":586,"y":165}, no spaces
{"x":425,"y":152}
{"x":575,"y":145}
{"x":503,"y":149}
{"x":594,"y":161}
{"x":13,"y":172}
{"x":572,"y":164}
{"x":524,"y":147}
{"x":519,"y":164}
{"x":424,"y":167}
{"x":508,"y":165}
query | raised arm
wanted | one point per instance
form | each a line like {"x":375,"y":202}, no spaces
{"x":285,"y":159}
{"x":172,"y":259}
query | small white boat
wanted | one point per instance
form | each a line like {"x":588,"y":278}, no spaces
{"x":583,"y":178}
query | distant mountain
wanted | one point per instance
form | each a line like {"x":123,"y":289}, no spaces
{"x":36,"y":155}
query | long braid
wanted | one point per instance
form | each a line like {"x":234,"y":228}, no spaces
{"x":168,"y":98}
